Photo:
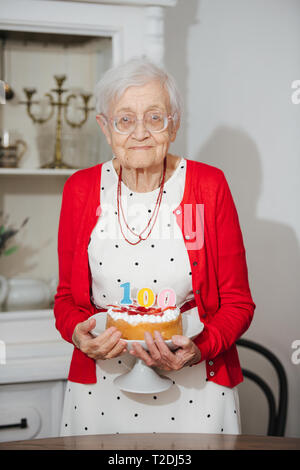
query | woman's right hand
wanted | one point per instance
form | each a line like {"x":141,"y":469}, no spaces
{"x":104,"y":346}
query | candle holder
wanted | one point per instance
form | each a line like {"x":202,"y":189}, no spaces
{"x":62,"y":111}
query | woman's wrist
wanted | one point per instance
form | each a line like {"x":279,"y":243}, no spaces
{"x":197,"y":357}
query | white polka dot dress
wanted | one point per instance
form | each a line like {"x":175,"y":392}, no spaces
{"x":192,"y":404}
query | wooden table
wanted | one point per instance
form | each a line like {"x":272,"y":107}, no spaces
{"x":163,"y":441}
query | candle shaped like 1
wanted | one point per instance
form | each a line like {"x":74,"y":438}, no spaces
{"x":146,"y":296}
{"x":126,"y":298}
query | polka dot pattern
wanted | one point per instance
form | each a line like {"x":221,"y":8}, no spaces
{"x":191,"y":404}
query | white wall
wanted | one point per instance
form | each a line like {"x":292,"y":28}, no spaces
{"x":235,"y":62}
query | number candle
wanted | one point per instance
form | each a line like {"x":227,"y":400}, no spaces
{"x":150,"y":297}
{"x":146,"y":296}
{"x":126,"y":299}
{"x":166,"y":298}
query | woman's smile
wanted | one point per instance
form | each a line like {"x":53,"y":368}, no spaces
{"x":141,"y":147}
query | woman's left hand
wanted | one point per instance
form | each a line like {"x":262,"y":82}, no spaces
{"x":159,"y":355}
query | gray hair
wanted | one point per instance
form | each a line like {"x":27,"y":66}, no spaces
{"x":135,"y":72}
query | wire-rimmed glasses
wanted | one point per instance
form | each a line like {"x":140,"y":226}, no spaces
{"x":153,"y":121}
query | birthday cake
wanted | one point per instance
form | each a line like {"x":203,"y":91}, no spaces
{"x":134,"y":320}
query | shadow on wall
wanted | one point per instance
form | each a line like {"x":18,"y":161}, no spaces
{"x":273,"y":261}
{"x":272,"y":247}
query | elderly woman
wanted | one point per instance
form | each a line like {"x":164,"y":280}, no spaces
{"x":135,"y":218}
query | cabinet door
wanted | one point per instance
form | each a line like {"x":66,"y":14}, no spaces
{"x":30,"y":410}
{"x":19,"y":422}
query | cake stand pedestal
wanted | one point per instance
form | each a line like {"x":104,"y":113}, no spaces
{"x":142,"y":379}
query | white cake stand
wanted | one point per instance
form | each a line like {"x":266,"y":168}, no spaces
{"x":142,"y":378}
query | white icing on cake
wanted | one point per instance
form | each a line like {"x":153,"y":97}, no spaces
{"x":168,"y":315}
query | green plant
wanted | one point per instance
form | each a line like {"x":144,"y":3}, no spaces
{"x":7,"y":233}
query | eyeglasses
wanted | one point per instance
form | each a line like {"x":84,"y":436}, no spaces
{"x":152,"y":121}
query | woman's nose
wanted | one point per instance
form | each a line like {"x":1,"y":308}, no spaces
{"x":140,"y":132}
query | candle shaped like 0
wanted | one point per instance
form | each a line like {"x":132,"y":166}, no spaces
{"x":166,"y":298}
{"x":146,"y":296}
{"x":150,"y":297}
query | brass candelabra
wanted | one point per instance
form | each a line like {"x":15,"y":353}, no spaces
{"x":62,"y":110}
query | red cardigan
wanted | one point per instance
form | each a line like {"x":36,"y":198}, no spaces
{"x":218,"y":266}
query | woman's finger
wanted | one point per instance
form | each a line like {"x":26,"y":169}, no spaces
{"x":86,"y":326}
{"x":182,"y":341}
{"x":164,"y":350}
{"x":119,"y":348}
{"x":161,"y":356}
{"x":82,"y":331}
{"x":140,"y":352}
{"x":152,"y":348}
{"x":108,"y":342}
{"x":154,"y":357}
{"x":103,"y":337}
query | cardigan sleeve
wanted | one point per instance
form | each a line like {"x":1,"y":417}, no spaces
{"x":67,"y":313}
{"x":236,"y":307}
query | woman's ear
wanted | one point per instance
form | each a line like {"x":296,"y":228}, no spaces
{"x":103,"y":123}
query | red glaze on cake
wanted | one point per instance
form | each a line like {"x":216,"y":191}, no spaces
{"x":134,"y":320}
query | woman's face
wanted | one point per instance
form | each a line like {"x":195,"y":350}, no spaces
{"x":141,"y":148}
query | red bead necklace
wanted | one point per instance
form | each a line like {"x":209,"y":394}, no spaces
{"x":155,"y":212}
